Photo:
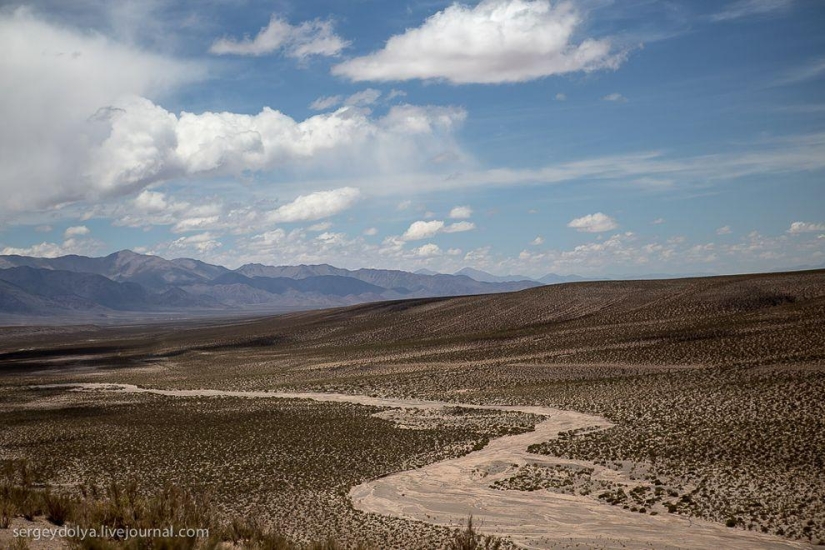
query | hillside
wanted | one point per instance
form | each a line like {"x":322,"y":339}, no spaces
{"x":664,"y":322}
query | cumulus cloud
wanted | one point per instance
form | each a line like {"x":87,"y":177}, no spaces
{"x":147,"y":144}
{"x":805,"y":227}
{"x":461,"y":212}
{"x":459,"y":227}
{"x":493,"y":42}
{"x":76,"y":231}
{"x":75,"y":241}
{"x":41,"y":250}
{"x":724,"y":230}
{"x":203,"y":243}
{"x":537,"y":241}
{"x":422,"y":230}
{"x":593,"y":223}
{"x":52,"y":112}
{"x":426,"y":229}
{"x":428,"y":250}
{"x":301,"y":41}
{"x":746,"y":8}
{"x":150,"y":208}
{"x":315,"y":206}
{"x":98,"y":130}
{"x":371,"y":231}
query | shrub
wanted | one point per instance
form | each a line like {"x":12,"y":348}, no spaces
{"x":469,"y":539}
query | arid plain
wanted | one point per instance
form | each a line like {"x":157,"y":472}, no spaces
{"x":648,"y":414}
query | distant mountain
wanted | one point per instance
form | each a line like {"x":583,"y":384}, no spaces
{"x":130,"y":282}
{"x":413,"y":285}
{"x":425,"y":271}
{"x":290,"y":271}
{"x":126,"y":266}
{"x":484,"y":277}
{"x":54,"y":289}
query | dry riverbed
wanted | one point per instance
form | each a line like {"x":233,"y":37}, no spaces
{"x":481,"y":484}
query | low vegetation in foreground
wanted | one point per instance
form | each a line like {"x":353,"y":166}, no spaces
{"x":189,"y":515}
{"x":283,"y":464}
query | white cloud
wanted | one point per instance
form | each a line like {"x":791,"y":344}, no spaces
{"x":426,"y":229}
{"x":371,"y":231}
{"x":327,"y":102}
{"x":195,"y":224}
{"x":301,"y":41}
{"x":805,"y":227}
{"x":318,"y":227}
{"x":403,"y":205}
{"x":151,"y":201}
{"x":148,"y":144}
{"x":495,"y":41}
{"x":73,"y":243}
{"x":76,"y":231}
{"x":396,"y":93}
{"x":202,"y":243}
{"x":150,"y":208}
{"x":358,"y":99}
{"x":422,"y":230}
{"x":414,"y":119}
{"x":561,"y":97}
{"x":615,"y":97}
{"x":364,"y":97}
{"x":62,"y":82}
{"x":461,"y":212}
{"x":315,"y":206}
{"x":459,"y":227}
{"x":537,"y":241}
{"x":724,"y":230}
{"x":593,"y":223}
{"x":658,"y":221}
{"x":42,"y":250}
{"x":332,"y":238}
{"x":746,"y":8}
{"x":790,"y":154}
{"x":428,"y":250}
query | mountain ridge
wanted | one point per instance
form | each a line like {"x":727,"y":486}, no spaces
{"x":126,"y":281}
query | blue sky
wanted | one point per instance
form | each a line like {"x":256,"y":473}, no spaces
{"x":594,"y":137}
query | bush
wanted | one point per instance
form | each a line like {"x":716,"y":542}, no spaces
{"x":469,"y":539}
{"x":58,"y":508}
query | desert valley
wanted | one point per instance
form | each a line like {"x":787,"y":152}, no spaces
{"x":625,"y":414}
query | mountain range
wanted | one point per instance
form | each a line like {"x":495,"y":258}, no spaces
{"x":130,"y":282}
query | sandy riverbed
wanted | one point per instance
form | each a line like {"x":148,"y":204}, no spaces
{"x":445,"y":493}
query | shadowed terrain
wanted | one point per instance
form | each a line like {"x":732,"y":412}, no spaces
{"x":713,"y":385}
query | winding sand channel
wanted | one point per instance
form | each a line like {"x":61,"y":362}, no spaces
{"x":445,"y":493}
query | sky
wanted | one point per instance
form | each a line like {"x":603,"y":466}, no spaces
{"x":589,"y":137}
